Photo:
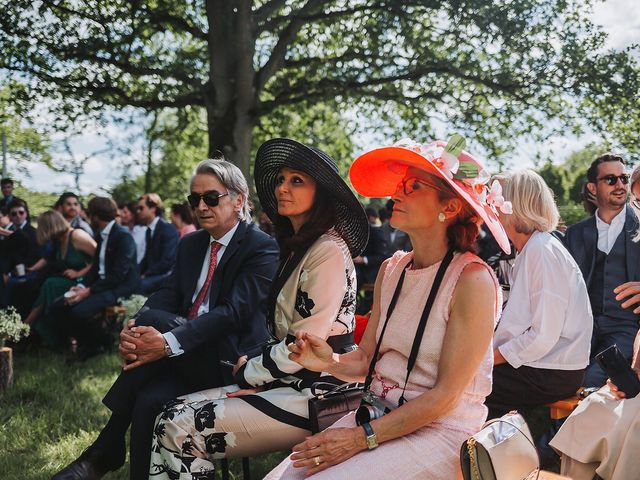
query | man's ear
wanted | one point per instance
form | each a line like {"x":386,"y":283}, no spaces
{"x":239,"y":202}
{"x":592,"y":188}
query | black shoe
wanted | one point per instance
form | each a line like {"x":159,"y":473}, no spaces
{"x":92,"y":464}
{"x":85,"y":467}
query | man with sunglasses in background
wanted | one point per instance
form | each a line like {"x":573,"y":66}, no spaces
{"x":209,"y":312}
{"x":161,"y":243}
{"x":609,"y":259}
{"x":19,"y":251}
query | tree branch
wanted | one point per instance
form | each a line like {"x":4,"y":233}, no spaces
{"x":266,"y":10}
{"x":288,"y":35}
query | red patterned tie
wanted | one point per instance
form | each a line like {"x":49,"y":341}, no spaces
{"x":193,"y":311}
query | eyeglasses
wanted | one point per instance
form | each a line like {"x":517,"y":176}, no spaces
{"x":211,"y":199}
{"x":17,"y":212}
{"x":411,"y":184}
{"x":611,"y":180}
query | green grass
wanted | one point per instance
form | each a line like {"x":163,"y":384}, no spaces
{"x":54,"y":411}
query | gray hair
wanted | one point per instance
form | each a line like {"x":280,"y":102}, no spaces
{"x":231,"y":177}
{"x":534,"y":208}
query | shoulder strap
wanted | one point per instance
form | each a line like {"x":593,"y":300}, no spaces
{"x":417,"y":340}
{"x":421,"y":326}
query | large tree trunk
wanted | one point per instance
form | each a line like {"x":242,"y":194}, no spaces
{"x":6,"y":368}
{"x":231,"y":97}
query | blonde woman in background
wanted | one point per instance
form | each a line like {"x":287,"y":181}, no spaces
{"x":73,"y":251}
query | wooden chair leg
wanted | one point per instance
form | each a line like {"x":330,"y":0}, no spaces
{"x":224,"y":467}
{"x":246,"y":471}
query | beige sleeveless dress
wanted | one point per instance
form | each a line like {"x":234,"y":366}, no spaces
{"x":431,"y":452}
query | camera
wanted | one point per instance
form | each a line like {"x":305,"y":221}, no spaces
{"x":371,"y":407}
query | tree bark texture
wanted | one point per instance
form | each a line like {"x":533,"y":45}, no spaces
{"x":6,"y":368}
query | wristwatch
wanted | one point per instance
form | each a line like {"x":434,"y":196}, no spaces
{"x":167,"y":349}
{"x":372,"y":440}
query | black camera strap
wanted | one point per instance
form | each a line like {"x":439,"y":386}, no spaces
{"x":417,"y":340}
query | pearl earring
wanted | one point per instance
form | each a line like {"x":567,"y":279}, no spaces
{"x":441,"y":217}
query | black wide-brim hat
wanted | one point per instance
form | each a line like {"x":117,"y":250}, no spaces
{"x":351,"y":219}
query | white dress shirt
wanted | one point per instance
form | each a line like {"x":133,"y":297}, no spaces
{"x":139,"y":234}
{"x":608,"y":233}
{"x":176,"y":348}
{"x":547,"y":322}
{"x":103,"y":247}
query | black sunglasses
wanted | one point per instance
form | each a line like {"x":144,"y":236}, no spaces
{"x":18,"y":212}
{"x":211,"y":199}
{"x":611,"y":179}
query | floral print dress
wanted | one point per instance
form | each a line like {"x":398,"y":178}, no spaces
{"x":319,"y":297}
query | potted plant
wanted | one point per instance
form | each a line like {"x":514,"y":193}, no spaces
{"x":11,"y":328}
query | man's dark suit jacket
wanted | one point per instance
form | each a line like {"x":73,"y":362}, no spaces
{"x":581,"y":240}
{"x":20,"y":247}
{"x":400,"y":242}
{"x":376,"y":253}
{"x":162,"y":253}
{"x":236,"y":322}
{"x":121,"y":270}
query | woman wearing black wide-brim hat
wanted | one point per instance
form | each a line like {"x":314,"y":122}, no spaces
{"x":320,"y":226}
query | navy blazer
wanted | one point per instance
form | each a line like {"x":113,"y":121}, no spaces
{"x":581,"y":240}
{"x":121,"y":270}
{"x":162,"y":253}
{"x":236,"y":322}
{"x":21,"y":247}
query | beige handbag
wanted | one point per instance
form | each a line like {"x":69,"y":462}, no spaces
{"x":502,"y":450}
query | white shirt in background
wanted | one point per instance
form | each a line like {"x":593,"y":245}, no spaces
{"x":608,"y":233}
{"x":547,"y":322}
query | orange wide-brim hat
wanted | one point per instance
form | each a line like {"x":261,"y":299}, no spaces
{"x":377,"y":173}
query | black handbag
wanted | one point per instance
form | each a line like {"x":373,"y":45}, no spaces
{"x":328,"y":407}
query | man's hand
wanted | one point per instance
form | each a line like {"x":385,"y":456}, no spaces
{"x":148,"y":345}
{"x":80,"y":294}
{"x":630,"y":291}
{"x":126,"y":349}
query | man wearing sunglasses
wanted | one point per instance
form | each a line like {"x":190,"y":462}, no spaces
{"x":161,"y":243}
{"x":211,"y":309}
{"x":19,"y":248}
{"x":609,"y":259}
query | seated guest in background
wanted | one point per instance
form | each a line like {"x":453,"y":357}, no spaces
{"x":161,"y":241}
{"x":444,"y":393}
{"x":600,"y":439}
{"x":182,"y":218}
{"x":394,"y":239}
{"x":369,"y":261}
{"x":68,"y":263}
{"x":320,"y":225}
{"x":609,"y":258}
{"x":6,"y":185}
{"x":113,"y":274}
{"x":602,"y":436}
{"x":372,"y":216}
{"x":129,"y":219}
{"x":21,"y":252}
{"x":211,"y":308}
{"x":69,"y":206}
{"x":541,"y":345}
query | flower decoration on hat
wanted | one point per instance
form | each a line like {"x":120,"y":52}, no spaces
{"x":447,"y":160}
{"x":496,"y":201}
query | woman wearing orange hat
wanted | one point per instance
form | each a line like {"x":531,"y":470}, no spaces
{"x":434,"y":386}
